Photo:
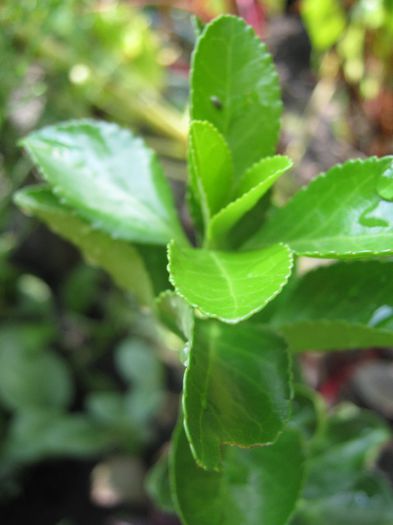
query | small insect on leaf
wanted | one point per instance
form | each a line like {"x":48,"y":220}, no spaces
{"x":217,"y":103}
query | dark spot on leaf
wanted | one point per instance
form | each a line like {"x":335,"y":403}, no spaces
{"x":216,"y":102}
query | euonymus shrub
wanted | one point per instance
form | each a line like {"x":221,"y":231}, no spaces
{"x":242,"y":443}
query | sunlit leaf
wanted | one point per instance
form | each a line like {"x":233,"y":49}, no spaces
{"x":235,"y":87}
{"x":340,"y":214}
{"x":109,"y":177}
{"x":227,"y":285}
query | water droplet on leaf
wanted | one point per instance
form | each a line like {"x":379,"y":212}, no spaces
{"x":385,"y":184}
{"x":381,"y":316}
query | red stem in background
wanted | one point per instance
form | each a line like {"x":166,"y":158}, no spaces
{"x":254,"y":14}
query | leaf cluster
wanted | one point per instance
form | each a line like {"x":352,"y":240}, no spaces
{"x":237,"y":454}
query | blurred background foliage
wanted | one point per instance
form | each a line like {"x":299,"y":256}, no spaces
{"x":88,"y":383}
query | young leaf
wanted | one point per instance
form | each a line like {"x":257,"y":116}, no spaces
{"x":211,"y":169}
{"x":109,"y":177}
{"x":236,"y":389}
{"x":339,"y":215}
{"x":229,"y":286}
{"x":319,"y":310}
{"x":234,"y":86}
{"x":118,"y":258}
{"x":259,"y":485}
{"x":251,"y":188}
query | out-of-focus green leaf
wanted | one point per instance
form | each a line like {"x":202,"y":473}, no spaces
{"x":121,"y":260}
{"x":319,"y":312}
{"x":340,"y":214}
{"x":325,"y":22}
{"x":33,"y":378}
{"x":369,"y":501}
{"x":235,"y":87}
{"x":81,"y":288}
{"x":137,"y":363}
{"x":258,"y":485}
{"x":29,"y":336}
{"x":351,"y":441}
{"x":237,"y":389}
{"x":339,"y":481}
{"x":36,"y":435}
{"x":109,"y":177}
{"x":158,"y":484}
{"x":111,"y":412}
{"x":227,"y":285}
{"x":309,"y":412}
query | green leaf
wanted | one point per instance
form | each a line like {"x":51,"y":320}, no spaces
{"x":118,"y":258}
{"x":340,"y":214}
{"x":352,"y":441}
{"x":40,"y":434}
{"x":369,"y":501}
{"x":259,"y":485}
{"x":339,"y":479}
{"x":319,"y":311}
{"x":33,"y":378}
{"x":155,"y":261}
{"x":112,"y":413}
{"x":109,"y":177}
{"x":333,"y":335}
{"x":176,"y":314}
{"x":137,"y":363}
{"x":236,"y":389}
{"x":309,"y":412}
{"x":234,"y":85}
{"x":211,"y":169}
{"x":251,"y":188}
{"x":229,"y":286}
{"x":158,"y":485}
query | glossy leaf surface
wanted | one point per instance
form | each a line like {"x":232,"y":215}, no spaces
{"x":234,"y":86}
{"x":109,"y":177}
{"x":340,"y":214}
{"x":252,"y":186}
{"x":345,"y":305}
{"x":236,"y":389}
{"x":118,"y":258}
{"x":211,"y":169}
{"x":258,"y":485}
{"x":229,"y":286}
